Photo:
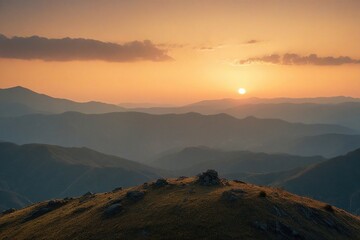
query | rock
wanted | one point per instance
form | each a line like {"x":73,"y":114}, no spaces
{"x":232,"y":195}
{"x":181,"y":178}
{"x":279,"y":212}
{"x":113,"y":209}
{"x":56,"y":203}
{"x":135,"y":196}
{"x":80,"y":210}
{"x":191,"y":191}
{"x":329,"y":208}
{"x":262,"y":194}
{"x":88,"y":194}
{"x":118,"y":189}
{"x":209,"y":178}
{"x":278,"y":228}
{"x":238,"y":181}
{"x":8,"y":211}
{"x":229,"y":196}
{"x":161,"y":182}
{"x":50,"y":206}
{"x":260,"y":225}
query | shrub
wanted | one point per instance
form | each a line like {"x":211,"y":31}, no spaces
{"x":262,"y":194}
{"x":329,"y":208}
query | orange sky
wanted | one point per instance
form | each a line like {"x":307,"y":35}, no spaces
{"x":204,"y":37}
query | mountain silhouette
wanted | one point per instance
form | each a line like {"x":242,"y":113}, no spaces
{"x":18,"y":101}
{"x":40,"y":172}
{"x":191,"y":160}
{"x":141,"y":136}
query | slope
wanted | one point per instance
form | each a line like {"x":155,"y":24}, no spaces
{"x":185,"y":208}
{"x":40,"y":172}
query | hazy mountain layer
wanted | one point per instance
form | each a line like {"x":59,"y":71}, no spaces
{"x":140,"y":136}
{"x":327,"y":145}
{"x":40,"y":172}
{"x":18,"y":101}
{"x":336,"y":181}
{"x":189,"y":161}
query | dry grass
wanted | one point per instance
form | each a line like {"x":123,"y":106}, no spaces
{"x":181,"y":210}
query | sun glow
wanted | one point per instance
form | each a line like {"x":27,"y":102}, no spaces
{"x":242,"y":91}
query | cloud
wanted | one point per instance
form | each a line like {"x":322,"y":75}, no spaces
{"x":68,"y":49}
{"x":252,"y":41}
{"x":296,"y":59}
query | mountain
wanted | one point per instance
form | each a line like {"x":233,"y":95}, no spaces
{"x":205,"y":207}
{"x":19,"y":101}
{"x":344,"y":113}
{"x":196,"y":159}
{"x":40,"y":172}
{"x":9,"y":199}
{"x":228,"y":104}
{"x":141,"y":136}
{"x":336,"y":181}
{"x":327,"y":145}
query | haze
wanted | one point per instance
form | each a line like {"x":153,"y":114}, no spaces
{"x":179,"y":51}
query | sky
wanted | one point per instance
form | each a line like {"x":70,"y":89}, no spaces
{"x":180,"y":51}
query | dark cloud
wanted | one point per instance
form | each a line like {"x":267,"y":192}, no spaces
{"x":252,"y":41}
{"x":295,"y":59}
{"x":67,"y":49}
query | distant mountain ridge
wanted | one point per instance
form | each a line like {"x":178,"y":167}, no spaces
{"x":140,"y":136}
{"x":18,"y":101}
{"x":327,"y":145}
{"x":191,"y":160}
{"x":336,"y":181}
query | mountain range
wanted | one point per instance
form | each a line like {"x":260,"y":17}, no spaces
{"x":34,"y":172}
{"x":336,"y":181}
{"x":192,"y":160}
{"x":141,"y":136}
{"x":18,"y":101}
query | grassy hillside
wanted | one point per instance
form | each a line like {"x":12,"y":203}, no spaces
{"x":40,"y":172}
{"x":184,"y":208}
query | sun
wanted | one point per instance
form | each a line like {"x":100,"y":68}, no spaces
{"x":241,"y":91}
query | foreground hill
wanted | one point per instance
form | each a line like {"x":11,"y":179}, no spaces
{"x":19,"y":101}
{"x":185,"y":208}
{"x":140,"y":136}
{"x":40,"y":172}
{"x":192,"y":160}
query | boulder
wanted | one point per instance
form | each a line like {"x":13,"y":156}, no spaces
{"x":161,"y":182}
{"x":135,"y":196}
{"x":8,"y":211}
{"x":118,"y":189}
{"x":232,"y":195}
{"x":209,"y":178}
{"x":113,"y":209}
